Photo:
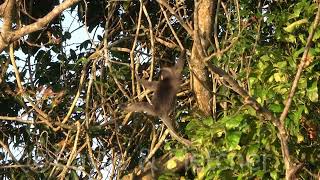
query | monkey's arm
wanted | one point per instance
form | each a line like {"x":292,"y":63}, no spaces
{"x":167,"y":121}
{"x":151,"y":85}
{"x":146,"y":107}
{"x":141,"y":107}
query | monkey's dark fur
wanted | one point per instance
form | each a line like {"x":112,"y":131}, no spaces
{"x":164,"y":96}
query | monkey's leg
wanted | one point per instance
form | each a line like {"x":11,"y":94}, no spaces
{"x":167,"y":121}
{"x":141,"y":107}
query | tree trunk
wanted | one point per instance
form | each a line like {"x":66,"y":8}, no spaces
{"x":200,"y":83}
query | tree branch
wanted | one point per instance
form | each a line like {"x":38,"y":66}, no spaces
{"x":290,"y":168}
{"x":12,"y":36}
{"x":300,"y":67}
{"x":8,"y":7}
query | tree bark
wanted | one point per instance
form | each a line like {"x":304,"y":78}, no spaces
{"x":203,"y":20}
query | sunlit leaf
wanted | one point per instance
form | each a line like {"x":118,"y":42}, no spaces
{"x":171,"y":164}
{"x":312,"y":92}
{"x":295,"y":25}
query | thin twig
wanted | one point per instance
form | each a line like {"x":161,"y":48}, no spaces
{"x":171,"y":28}
{"x":184,"y":25}
{"x":88,"y":94}
{"x":151,"y":41}
{"x":70,"y":167}
{"x":15,"y":68}
{"x":5,"y":147}
{"x":18,"y":119}
{"x":73,"y":152}
{"x":75,"y":100}
{"x":91,"y":156}
{"x":61,"y":152}
{"x":133,"y":48}
{"x":215,"y":27}
{"x":157,"y":146}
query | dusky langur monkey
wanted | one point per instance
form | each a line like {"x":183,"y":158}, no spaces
{"x":164,"y":96}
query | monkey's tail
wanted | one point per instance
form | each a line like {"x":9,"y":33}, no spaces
{"x":167,"y":121}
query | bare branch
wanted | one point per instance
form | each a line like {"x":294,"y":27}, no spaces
{"x":5,"y":147}
{"x":8,"y":8}
{"x":17,"y":119}
{"x":73,"y":152}
{"x":42,"y":22}
{"x":184,"y":25}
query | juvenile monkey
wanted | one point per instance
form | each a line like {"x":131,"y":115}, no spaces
{"x":164,"y":96}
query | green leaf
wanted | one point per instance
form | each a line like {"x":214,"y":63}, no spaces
{"x":300,"y":138}
{"x":233,"y":138}
{"x":295,"y":25}
{"x":253,"y":150}
{"x":260,"y":174}
{"x":274,"y":175}
{"x":208,"y":121}
{"x":297,"y":53}
{"x":296,"y":12}
{"x":302,"y":83}
{"x":231,"y":156}
{"x":281,"y":89}
{"x":74,"y":175}
{"x":312,"y":92}
{"x":298,"y":114}
{"x":232,"y":122}
{"x":82,"y":60}
{"x":291,"y":38}
{"x":280,"y":77}
{"x":180,"y":153}
{"x":263,"y":58}
{"x":171,"y":164}
{"x":281,"y":64}
{"x":167,"y":147}
{"x":316,"y":35}
{"x":277,"y":108}
{"x":302,"y":38}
